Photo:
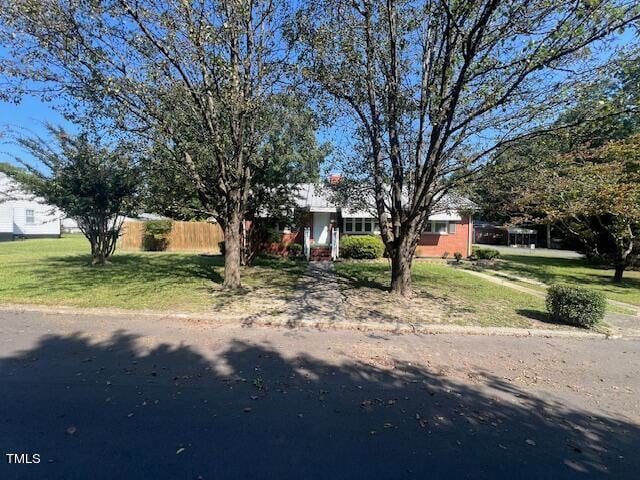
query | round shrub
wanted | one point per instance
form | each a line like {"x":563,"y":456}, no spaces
{"x":156,"y":235}
{"x":295,"y":249}
{"x":457,"y":256}
{"x":361,"y":247}
{"x":486,"y":253}
{"x":575,"y":305}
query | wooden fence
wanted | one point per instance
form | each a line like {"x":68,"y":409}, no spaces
{"x":184,"y":236}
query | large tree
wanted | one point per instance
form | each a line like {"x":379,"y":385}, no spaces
{"x":439,"y":87}
{"x":582,"y":180}
{"x":288,"y":155}
{"x":193,"y":76}
{"x":594,"y":194}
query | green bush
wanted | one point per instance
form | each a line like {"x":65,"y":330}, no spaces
{"x":457,"y":256}
{"x":445,"y":255}
{"x":486,"y":253}
{"x":221,"y":247}
{"x":295,"y":249}
{"x":272,"y":236}
{"x":361,"y":247}
{"x":575,"y":305}
{"x":156,"y":235}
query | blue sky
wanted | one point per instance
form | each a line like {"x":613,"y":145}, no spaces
{"x":31,"y":114}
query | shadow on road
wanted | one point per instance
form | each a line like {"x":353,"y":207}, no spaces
{"x":121,"y":408}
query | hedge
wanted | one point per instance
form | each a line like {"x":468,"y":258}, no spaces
{"x":486,"y":253}
{"x":575,"y":305}
{"x":361,"y":247}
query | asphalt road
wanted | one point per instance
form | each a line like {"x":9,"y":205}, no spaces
{"x":118,"y":398}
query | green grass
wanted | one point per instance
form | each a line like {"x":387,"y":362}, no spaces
{"x":57,"y":272}
{"x":467,"y":299}
{"x":576,"y":272}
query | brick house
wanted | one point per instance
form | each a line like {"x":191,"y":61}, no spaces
{"x":449,"y":229}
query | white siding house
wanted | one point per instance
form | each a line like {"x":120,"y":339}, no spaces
{"x":22,"y":215}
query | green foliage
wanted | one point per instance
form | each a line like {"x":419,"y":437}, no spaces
{"x":272,"y":236}
{"x":94,"y":184}
{"x":486,"y":253}
{"x":445,"y":255}
{"x":575,"y":305}
{"x":156,"y":235}
{"x":457,"y":256}
{"x":361,"y":247}
{"x":295,"y":249}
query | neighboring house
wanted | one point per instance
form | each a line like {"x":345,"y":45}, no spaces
{"x":23,"y":216}
{"x":449,"y":229}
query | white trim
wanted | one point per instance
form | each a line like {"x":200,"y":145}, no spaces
{"x":470,"y":243}
{"x":364,"y":220}
{"x":445,"y":217}
{"x":323,"y":209}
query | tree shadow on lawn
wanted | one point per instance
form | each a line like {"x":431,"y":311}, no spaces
{"x":124,"y":408}
{"x":140,"y":273}
{"x":364,"y":275}
{"x":544,"y":317}
{"x":521,"y":265}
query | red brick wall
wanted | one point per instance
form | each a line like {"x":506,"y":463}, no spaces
{"x":430,"y":245}
{"x":434,"y":245}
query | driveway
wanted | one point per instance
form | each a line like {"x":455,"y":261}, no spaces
{"x":99,"y":397}
{"x":535,"y":252}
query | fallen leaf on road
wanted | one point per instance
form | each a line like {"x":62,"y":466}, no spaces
{"x":530,"y":442}
{"x":71,"y":430}
{"x":179,"y":451}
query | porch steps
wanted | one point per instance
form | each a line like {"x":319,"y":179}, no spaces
{"x":320,"y":254}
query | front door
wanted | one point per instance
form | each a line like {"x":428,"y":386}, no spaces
{"x":321,"y":227}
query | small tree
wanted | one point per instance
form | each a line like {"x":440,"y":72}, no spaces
{"x":93,"y":184}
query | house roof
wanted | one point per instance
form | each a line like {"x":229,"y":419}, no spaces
{"x":318,"y":198}
{"x":314,"y":197}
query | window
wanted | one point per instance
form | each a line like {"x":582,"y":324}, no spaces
{"x":30,"y":217}
{"x":361,"y":225}
{"x":283,"y":227}
{"x":440,"y":228}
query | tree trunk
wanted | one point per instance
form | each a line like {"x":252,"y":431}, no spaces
{"x":99,"y":259}
{"x":548,"y":235}
{"x":401,"y":260}
{"x":617,"y":276}
{"x":232,"y":254}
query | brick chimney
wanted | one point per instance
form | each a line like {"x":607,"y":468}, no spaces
{"x":334,"y":179}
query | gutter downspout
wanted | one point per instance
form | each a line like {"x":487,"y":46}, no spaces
{"x":470,"y":243}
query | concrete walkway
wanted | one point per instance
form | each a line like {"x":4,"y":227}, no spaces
{"x":317,"y":297}
{"x":621,"y":324}
{"x":536,"y":252}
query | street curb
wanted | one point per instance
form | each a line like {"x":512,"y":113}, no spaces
{"x":400,"y":328}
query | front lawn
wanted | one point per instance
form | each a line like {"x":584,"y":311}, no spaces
{"x":577,"y":272}
{"x":441,"y":295}
{"x":57,"y":272}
